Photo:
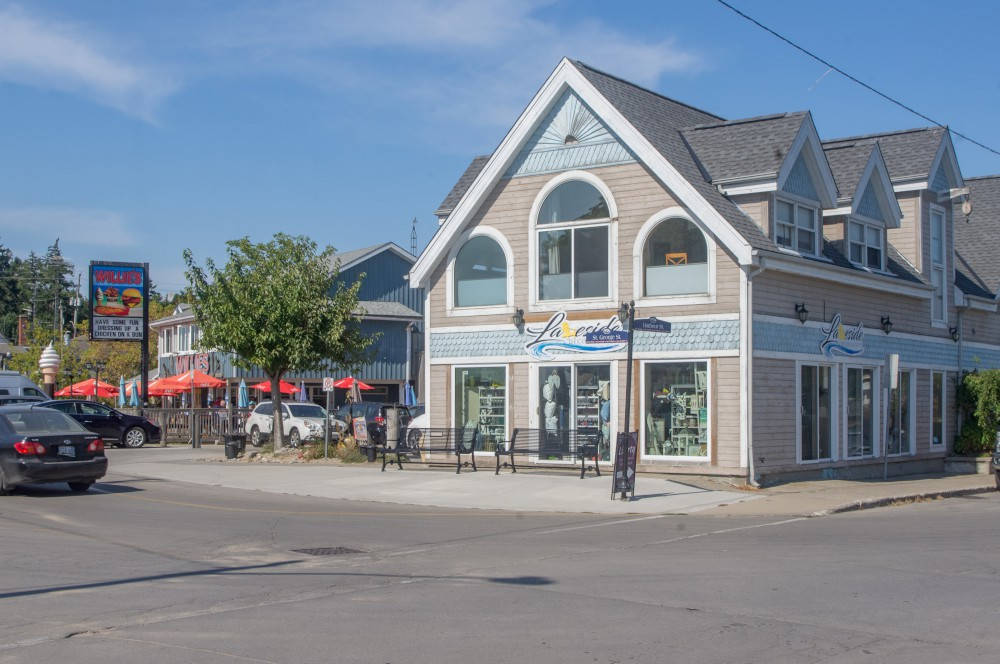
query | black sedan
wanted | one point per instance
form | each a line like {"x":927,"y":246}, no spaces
{"x":44,"y":445}
{"x":115,"y":427}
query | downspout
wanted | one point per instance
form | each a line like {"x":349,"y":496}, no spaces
{"x":750,"y":271}
{"x":958,"y":379}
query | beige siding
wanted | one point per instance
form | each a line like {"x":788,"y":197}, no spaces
{"x":726,"y":417}
{"x":833,"y":229}
{"x":757,"y":207}
{"x":907,"y":238}
{"x":981,"y":326}
{"x":774,"y":409}
{"x":517,"y":391}
{"x":440,"y":411}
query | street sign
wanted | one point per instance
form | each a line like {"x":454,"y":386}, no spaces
{"x":651,"y":324}
{"x":607,"y":337}
{"x":626,"y":451}
{"x":328,"y":385}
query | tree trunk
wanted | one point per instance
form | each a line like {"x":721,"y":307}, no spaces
{"x":278,"y":433}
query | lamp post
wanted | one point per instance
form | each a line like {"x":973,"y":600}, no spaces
{"x":49,"y":363}
{"x":5,"y":359}
{"x":97,"y":367}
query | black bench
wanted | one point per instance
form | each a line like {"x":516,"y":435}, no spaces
{"x":431,"y":441}
{"x":576,"y":444}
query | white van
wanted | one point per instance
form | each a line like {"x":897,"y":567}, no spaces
{"x":13,"y":384}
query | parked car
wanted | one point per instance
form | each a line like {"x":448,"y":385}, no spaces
{"x":7,"y":401}
{"x":116,"y":428}
{"x":13,"y":384}
{"x":300,"y":421}
{"x":374,"y":413}
{"x":43,"y":445}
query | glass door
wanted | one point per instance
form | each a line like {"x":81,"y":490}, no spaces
{"x":593,"y":406}
{"x":574,"y":397}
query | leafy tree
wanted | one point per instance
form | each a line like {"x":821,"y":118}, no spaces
{"x":10,"y":293}
{"x":278,"y":305}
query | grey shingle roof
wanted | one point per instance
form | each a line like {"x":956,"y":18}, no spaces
{"x":463,"y":184}
{"x":386,"y":309}
{"x":348,"y":257}
{"x":847,"y":162}
{"x":742,"y":148}
{"x":660,"y":120}
{"x":977,"y":242}
{"x":908,"y":154}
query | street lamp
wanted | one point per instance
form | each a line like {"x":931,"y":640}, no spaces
{"x":97,"y":367}
{"x":5,"y":359}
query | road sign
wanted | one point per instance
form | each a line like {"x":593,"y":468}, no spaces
{"x":651,"y":324}
{"x":607,"y":337}
{"x":328,"y":385}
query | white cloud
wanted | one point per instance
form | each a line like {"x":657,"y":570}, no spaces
{"x":48,"y":54}
{"x":97,"y":228}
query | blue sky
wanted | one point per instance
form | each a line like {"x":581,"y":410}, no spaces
{"x":134,"y":130}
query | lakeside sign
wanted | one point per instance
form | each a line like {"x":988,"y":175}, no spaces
{"x":842,"y":339}
{"x":118,"y":294}
{"x":558,"y":337}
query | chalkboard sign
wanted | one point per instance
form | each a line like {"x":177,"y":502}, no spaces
{"x":626,"y":452}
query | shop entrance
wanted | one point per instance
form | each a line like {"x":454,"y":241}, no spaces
{"x":575,"y":396}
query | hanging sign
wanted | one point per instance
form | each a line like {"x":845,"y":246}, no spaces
{"x":558,"y":336}
{"x":651,"y":324}
{"x":842,"y":339}
{"x":118,"y":301}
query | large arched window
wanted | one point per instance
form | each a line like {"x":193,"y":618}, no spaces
{"x":573,"y":243}
{"x":480,"y":273}
{"x":675,"y":259}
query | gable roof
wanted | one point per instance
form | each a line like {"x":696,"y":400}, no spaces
{"x":354,"y":256}
{"x":909,"y":154}
{"x":977,"y":239}
{"x":745,"y":148}
{"x":848,"y":162}
{"x":463,"y":184}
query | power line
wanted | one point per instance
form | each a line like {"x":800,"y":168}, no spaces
{"x":854,"y":78}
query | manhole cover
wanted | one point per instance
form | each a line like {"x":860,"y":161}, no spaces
{"x":327,"y":551}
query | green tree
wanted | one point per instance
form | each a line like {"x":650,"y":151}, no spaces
{"x":10,"y":293}
{"x":278,"y":305}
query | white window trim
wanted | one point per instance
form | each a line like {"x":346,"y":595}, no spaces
{"x":880,"y":227}
{"x":798,"y":202}
{"x":638,"y":251}
{"x":944,"y":411}
{"x":578,"y":304}
{"x":876,"y":410}
{"x":642,"y":412}
{"x":499,"y":238}
{"x":834,"y":408}
{"x":912,"y":424}
{"x":943,"y":266}
{"x":506,"y":404}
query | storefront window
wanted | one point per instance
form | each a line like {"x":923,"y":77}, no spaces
{"x":900,"y":408}
{"x":815,"y":412}
{"x":575,"y":397}
{"x":676,"y":409}
{"x":675,"y":259}
{"x":860,"y":412}
{"x":481,"y":403}
{"x":937,"y":408}
{"x":480,"y":274}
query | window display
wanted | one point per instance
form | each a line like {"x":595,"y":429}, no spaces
{"x":860,"y":412}
{"x":481,"y":403}
{"x":816,"y":412}
{"x":576,"y":397}
{"x":676,"y":409}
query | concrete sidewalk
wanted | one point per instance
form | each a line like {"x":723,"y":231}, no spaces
{"x":534,"y":490}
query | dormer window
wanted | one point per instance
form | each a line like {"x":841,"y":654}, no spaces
{"x":795,"y":227}
{"x":867,"y":246}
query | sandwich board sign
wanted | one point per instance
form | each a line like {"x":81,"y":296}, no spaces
{"x":626,"y":453}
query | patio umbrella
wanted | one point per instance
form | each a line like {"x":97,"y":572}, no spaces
{"x":193,"y":378}
{"x":350,"y":382}
{"x":121,"y":391}
{"x":134,"y":400}
{"x":89,"y":388}
{"x":283,"y":387}
{"x":242,"y":398}
{"x":302,"y":396}
{"x":156,"y":389}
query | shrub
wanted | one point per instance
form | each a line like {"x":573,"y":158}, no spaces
{"x":978,"y":397}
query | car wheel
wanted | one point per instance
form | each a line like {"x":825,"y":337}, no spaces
{"x":294,"y":439}
{"x":79,"y":487}
{"x":135,"y":437}
{"x":5,"y":489}
{"x":255,"y":436}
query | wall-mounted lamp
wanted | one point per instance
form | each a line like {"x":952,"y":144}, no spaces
{"x":886,"y":324}
{"x":953,"y":331}
{"x":518,"y":320}
{"x":802,"y":312}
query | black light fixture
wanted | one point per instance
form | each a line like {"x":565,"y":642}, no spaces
{"x":802,"y":312}
{"x":886,"y":324}
{"x":953,"y":331}
{"x":518,"y":320}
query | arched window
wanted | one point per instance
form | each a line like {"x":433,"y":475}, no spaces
{"x":480,"y":273}
{"x":675,"y":259}
{"x":573,"y":248}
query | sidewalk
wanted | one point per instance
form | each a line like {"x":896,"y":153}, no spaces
{"x":533,"y":490}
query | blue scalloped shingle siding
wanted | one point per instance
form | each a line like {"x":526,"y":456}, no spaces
{"x":799,"y":182}
{"x":688,"y":335}
{"x":869,"y":203}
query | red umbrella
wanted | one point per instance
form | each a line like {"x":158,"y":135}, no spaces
{"x":156,"y":389}
{"x":283,"y":387}
{"x":89,"y":388}
{"x":185,"y":381}
{"x":348,"y":383}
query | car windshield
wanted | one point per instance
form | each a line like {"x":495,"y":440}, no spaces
{"x":41,"y":422}
{"x":307,"y":410}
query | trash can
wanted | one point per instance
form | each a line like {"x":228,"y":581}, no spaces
{"x":236,"y":444}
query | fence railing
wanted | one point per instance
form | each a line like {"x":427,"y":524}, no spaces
{"x":211,"y":424}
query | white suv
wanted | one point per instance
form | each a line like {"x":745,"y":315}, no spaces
{"x":301,"y":421}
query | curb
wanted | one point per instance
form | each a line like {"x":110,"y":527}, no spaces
{"x":872,"y":503}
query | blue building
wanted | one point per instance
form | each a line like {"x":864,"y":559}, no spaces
{"x":387,"y":306}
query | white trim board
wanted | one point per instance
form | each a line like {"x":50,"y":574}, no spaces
{"x":596,"y":357}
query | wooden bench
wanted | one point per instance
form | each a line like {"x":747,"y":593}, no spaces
{"x":419,"y":442}
{"x":569,"y":443}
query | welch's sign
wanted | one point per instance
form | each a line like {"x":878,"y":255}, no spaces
{"x":559,"y":336}
{"x":842,"y":339}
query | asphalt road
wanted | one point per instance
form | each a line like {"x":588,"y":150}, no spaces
{"x":155,"y":571}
